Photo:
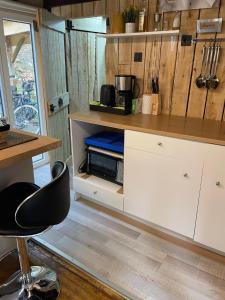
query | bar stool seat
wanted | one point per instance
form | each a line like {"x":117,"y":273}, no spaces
{"x":11,"y":198}
{"x":28,"y":210}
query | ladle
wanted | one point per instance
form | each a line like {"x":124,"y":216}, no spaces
{"x":207,"y":64}
{"x":214,"y":82}
{"x":211,"y":67}
{"x":199,"y":80}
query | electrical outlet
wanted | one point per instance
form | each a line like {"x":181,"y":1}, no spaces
{"x":138,"y":56}
{"x":186,"y":40}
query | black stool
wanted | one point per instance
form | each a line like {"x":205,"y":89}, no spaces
{"x":26,"y":211}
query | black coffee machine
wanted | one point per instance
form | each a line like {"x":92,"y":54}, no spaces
{"x":125,"y":85}
{"x":117,"y":99}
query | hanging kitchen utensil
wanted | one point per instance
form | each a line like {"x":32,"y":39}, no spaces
{"x":210,"y":69}
{"x":215,"y":80}
{"x":207,"y":65}
{"x":199,"y":80}
{"x":209,"y":80}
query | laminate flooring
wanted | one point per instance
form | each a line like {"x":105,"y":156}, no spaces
{"x":144,"y":265}
{"x":75,"y":284}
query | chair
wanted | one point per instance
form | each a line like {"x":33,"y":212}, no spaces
{"x":26,"y":211}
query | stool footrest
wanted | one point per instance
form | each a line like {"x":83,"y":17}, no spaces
{"x":45,"y":285}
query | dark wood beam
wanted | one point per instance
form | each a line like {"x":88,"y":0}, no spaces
{"x":48,"y":4}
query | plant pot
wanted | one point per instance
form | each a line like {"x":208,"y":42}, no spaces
{"x":130,"y":27}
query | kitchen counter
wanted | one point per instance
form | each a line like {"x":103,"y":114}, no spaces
{"x":205,"y":131}
{"x":27,"y":150}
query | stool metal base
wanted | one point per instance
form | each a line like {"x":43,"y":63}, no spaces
{"x":45,"y":286}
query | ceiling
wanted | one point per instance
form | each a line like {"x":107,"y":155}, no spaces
{"x":51,"y":3}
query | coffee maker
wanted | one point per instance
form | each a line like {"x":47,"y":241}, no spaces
{"x":124,"y":85}
{"x":118,"y":99}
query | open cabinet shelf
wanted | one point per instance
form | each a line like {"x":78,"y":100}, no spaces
{"x":139,"y":34}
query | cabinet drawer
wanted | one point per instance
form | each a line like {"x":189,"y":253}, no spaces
{"x":164,"y":145}
{"x":99,"y":190}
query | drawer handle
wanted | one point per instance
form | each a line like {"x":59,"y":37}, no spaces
{"x":218,"y":183}
{"x":186,"y":175}
{"x":95,"y":193}
{"x":160,"y":144}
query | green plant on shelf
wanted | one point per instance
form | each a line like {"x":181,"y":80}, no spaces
{"x":130,"y":14}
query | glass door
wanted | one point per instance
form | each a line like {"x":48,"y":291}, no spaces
{"x":21,"y":68}
{"x":19,"y":65}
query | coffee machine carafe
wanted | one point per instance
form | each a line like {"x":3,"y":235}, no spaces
{"x":125,"y":85}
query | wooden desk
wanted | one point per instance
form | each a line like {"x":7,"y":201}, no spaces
{"x":21,"y":152}
{"x":16,"y":165}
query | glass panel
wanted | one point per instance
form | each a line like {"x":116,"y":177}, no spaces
{"x":21,"y":65}
{"x":22,"y":76}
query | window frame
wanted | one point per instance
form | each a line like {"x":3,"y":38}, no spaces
{"x":21,"y":16}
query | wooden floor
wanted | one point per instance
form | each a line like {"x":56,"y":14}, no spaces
{"x":75,"y":284}
{"x":146,"y":266}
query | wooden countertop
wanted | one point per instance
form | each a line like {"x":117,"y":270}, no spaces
{"x":206,"y":131}
{"x":27,"y":150}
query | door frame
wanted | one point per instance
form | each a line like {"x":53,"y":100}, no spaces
{"x":19,"y":16}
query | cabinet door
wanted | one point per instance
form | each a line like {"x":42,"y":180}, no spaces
{"x":53,"y":53}
{"x":210,"y":226}
{"x":162,"y":190}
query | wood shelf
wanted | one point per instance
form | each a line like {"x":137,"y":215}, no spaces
{"x":139,"y":34}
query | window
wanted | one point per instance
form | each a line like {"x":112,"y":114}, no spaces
{"x":20,"y":94}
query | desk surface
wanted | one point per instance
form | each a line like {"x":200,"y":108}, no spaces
{"x":205,"y":131}
{"x":27,"y":150}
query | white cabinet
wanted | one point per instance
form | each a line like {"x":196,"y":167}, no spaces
{"x":162,"y":180}
{"x":173,"y":183}
{"x":162,"y":189}
{"x":176,"y":148}
{"x":210,"y":225}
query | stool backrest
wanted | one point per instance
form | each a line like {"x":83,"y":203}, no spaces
{"x":50,"y":205}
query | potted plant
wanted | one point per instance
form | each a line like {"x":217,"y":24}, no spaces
{"x":130,"y":15}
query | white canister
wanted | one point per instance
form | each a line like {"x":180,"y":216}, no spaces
{"x":147,"y":104}
{"x":130,"y":27}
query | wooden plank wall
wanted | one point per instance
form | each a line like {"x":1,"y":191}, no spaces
{"x":178,"y":66}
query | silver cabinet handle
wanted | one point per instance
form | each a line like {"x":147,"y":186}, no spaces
{"x":218,"y":183}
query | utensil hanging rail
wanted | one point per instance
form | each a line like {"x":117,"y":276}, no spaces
{"x":212,"y":40}
{"x":188,"y":40}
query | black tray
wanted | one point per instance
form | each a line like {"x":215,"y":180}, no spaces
{"x":107,"y":109}
{"x":15,"y":138}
